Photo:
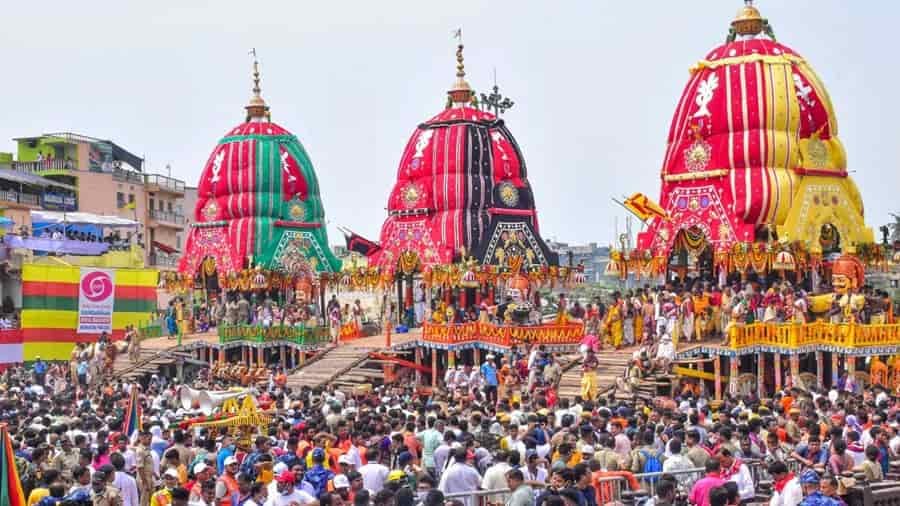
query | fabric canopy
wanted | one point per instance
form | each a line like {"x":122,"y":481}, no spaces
{"x":82,"y":219}
{"x":67,"y":246}
{"x":32,"y":179}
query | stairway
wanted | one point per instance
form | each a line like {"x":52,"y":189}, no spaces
{"x":613,"y":365}
{"x":330,"y":365}
{"x":149,"y":362}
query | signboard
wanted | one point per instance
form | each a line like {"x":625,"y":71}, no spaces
{"x":59,"y":202}
{"x":96,"y":298}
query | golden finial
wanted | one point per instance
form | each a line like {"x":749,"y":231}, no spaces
{"x":461,"y":92}
{"x":257,"y":108}
{"x":748,"y":20}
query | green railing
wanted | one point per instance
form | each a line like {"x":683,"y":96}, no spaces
{"x":304,"y":336}
{"x":149,"y":330}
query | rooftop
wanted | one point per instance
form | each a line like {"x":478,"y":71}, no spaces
{"x":118,"y":152}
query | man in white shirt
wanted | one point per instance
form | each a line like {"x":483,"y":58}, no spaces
{"x":786,"y":489}
{"x":460,"y":477}
{"x":736,"y":471}
{"x":495,"y":477}
{"x":678,"y":462}
{"x":288,"y":495}
{"x":442,"y":453}
{"x":374,"y":474}
{"x":126,"y":485}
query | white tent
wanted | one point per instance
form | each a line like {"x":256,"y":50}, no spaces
{"x":82,"y":219}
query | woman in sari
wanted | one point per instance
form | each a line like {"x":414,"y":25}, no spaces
{"x":613,"y":323}
{"x":589,"y":377}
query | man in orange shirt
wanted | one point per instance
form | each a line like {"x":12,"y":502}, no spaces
{"x":280,"y":378}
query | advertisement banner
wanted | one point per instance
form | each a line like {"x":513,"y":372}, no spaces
{"x":96,"y":298}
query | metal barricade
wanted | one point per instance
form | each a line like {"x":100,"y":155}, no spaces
{"x":617,"y":488}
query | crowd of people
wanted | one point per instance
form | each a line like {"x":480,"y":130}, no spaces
{"x":502,"y":430}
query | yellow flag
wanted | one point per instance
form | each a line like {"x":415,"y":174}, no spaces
{"x":131,"y":205}
{"x":644,"y":208}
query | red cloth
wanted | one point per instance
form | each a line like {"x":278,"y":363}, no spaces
{"x":723,"y":122}
{"x":780,"y":484}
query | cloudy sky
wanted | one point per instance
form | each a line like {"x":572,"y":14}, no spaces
{"x":595,"y":85}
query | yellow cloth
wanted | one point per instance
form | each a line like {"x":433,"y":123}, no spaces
{"x":265,"y":476}
{"x":614,"y":325}
{"x":36,"y":495}
{"x":161,"y":498}
{"x":574,"y":459}
{"x":589,"y":384}
{"x":878,"y":372}
{"x":639,"y":327}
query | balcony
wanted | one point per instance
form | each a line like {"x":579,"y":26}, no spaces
{"x":160,"y":183}
{"x":127,"y":176}
{"x":25,"y":200}
{"x":164,"y":260}
{"x":167,"y":218}
{"x":47,"y":167}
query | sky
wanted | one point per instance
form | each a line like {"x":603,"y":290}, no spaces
{"x":595,"y":85}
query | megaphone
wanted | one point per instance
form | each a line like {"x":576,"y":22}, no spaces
{"x":189,"y":397}
{"x":209,"y":401}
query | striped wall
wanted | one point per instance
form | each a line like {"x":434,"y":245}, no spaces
{"x":50,"y":309}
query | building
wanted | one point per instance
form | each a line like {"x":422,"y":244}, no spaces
{"x":593,"y":257}
{"x":103,"y":178}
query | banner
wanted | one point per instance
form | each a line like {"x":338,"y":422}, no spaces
{"x":96,"y":299}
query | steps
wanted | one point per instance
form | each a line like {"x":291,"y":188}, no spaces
{"x":613,"y":365}
{"x":331,"y":367}
{"x":149,"y":362}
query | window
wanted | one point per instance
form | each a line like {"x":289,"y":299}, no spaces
{"x":177,"y":241}
{"x":170,"y":206}
{"x":161,"y":206}
{"x":152,"y":203}
{"x":131,"y":198}
{"x":120,"y":199}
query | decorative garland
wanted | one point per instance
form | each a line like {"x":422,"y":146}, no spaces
{"x":374,"y":279}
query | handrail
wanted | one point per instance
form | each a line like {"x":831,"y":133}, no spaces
{"x":167,"y":216}
{"x":795,"y":335}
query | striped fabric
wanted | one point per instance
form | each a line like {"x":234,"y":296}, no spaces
{"x":256,"y":192}
{"x":50,"y":310}
{"x":461,"y":171}
{"x":10,"y":484}
{"x":752,"y":122}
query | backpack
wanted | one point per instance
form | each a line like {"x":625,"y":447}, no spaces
{"x":652,"y":464}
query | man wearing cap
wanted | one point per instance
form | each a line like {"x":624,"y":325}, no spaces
{"x":341,"y":486}
{"x":809,"y":481}
{"x":146,"y":478}
{"x":227,"y":485}
{"x":163,"y":497}
{"x":102,"y":495}
{"x":288,"y":494}
{"x":202,"y":473}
